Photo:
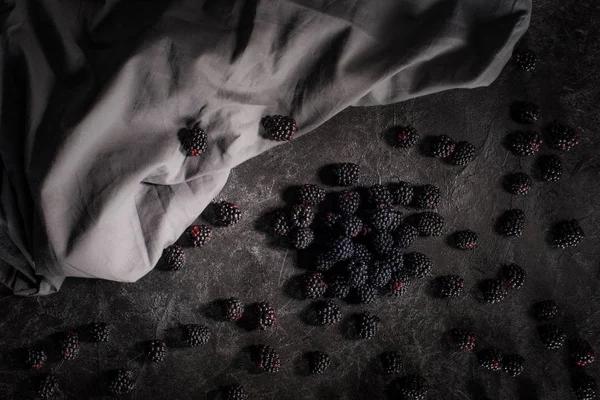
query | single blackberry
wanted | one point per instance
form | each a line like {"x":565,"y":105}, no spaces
{"x":463,"y":339}
{"x":98,"y":332}
{"x":417,"y":265}
{"x":391,"y":362}
{"x":235,"y":392}
{"x":361,"y":253}
{"x":339,"y":249}
{"x":526,"y":60}
{"x":562,"y":137}
{"x":585,"y":387}
{"x":381,"y":219}
{"x":550,"y":168}
{"x":195,"y":335}
{"x":121,"y":382}
{"x":174,"y":257}
{"x":301,"y":238}
{"x":357,"y":273}
{"x":450,"y":286}
{"x":301,"y":216}
{"x":493,"y":290}
{"x":410,"y":387}
{"x":311,"y":195}
{"x":338,"y":287}
{"x":398,"y":285}
{"x":380,"y":274}
{"x":279,"y":127}
{"x":314,"y":285}
{"x":524,"y":144}
{"x":513,"y":275}
{"x":346,"y":174}
{"x":552,"y":336}
{"x":281,"y":224}
{"x":464,"y":153}
{"x":381,"y":242}
{"x":426,"y":196}
{"x":36,"y":358}
{"x":442,"y":146}
{"x":512,"y":222}
{"x":405,"y":236}
{"x":518,"y":183}
{"x":396,"y":220}
{"x":379,"y":195}
{"x":405,"y":137}
{"x":47,"y":387}
{"x":156,"y":350}
{"x":200,"y":235}
{"x":330,"y":219}
{"x":402,"y":193}
{"x":68,"y":345}
{"x":195,"y":141}
{"x":318,"y":362}
{"x":464,"y":240}
{"x":227,"y":213}
{"x":365,"y":294}
{"x":395,"y":260}
{"x":265,"y":315}
{"x":582,"y":352}
{"x":513,"y":365}
{"x":430,"y":223}
{"x":525,"y":112}
{"x":566,"y":234}
{"x":233,"y":309}
{"x":328,"y":313}
{"x":545,"y":310}
{"x":367,"y":325}
{"x":490,"y":358}
{"x":322,"y":263}
{"x":268,"y":359}
{"x":347,"y":202}
{"x":349,"y":226}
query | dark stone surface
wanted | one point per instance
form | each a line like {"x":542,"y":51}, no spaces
{"x":245,"y":262}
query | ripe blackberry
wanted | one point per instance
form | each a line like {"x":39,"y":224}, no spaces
{"x":405,"y":236}
{"x":156,"y":350}
{"x":349,"y":226}
{"x":381,"y":242}
{"x":365,"y":294}
{"x":380,"y":274}
{"x":552,"y":336}
{"x":566,"y":234}
{"x":235,"y":392}
{"x":233,"y":309}
{"x":493,"y":290}
{"x":301,"y":238}
{"x":322,"y":263}
{"x":357,"y":273}
{"x":398,"y":285}
{"x":281,"y":224}
{"x":450,"y":286}
{"x":524,"y":143}
{"x":121,"y":382}
{"x":417,"y":265}
{"x":328,"y":313}
{"x":430,"y":224}
{"x":512,"y":222}
{"x":200,"y":235}
{"x":513,"y":275}
{"x":268,"y":359}
{"x":582,"y":352}
{"x":562,"y":137}
{"x":68,"y":345}
{"x":227,"y":213}
{"x":314,"y":285}
{"x":396,"y":220}
{"x":174,"y":257}
{"x":279,"y":127}
{"x":395,"y":260}
{"x":464,"y":240}
{"x":464,"y":153}
{"x":402,"y":193}
{"x":330,"y":219}
{"x":410,"y":387}
{"x":265,"y":315}
{"x":339,"y":249}
{"x":47,"y":387}
{"x":426,"y":196}
{"x":545,"y":310}
{"x":367,"y":325}
{"x":379,"y":195}
{"x":513,"y":365}
{"x":36,"y":358}
{"x":381,"y":219}
{"x":550,"y":168}
{"x":98,"y":332}
{"x":318,"y":362}
{"x":463,"y":339}
{"x":526,"y":60}
{"x":585,"y":387}
{"x":361,"y":253}
{"x":338,"y":287}
{"x":391,"y":361}
{"x":195,"y":335}
{"x":490,"y":358}
{"x":346,"y":174}
{"x":301,"y":216}
{"x":525,"y":112}
{"x":405,"y":137}
{"x":195,"y":141}
{"x":347,"y":202}
{"x":518,"y":183}
{"x":311,"y":195}
{"x":442,"y":146}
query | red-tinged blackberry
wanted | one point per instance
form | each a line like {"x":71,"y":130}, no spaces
{"x":552,"y":336}
{"x":380,"y":274}
{"x":513,"y":365}
{"x":47,"y":387}
{"x":174,"y":257}
{"x":338,"y":287}
{"x":357,"y":273}
{"x":235,"y":392}
{"x":426,"y":196}
{"x":402,"y":193}
{"x":450,"y":286}
{"x":464,"y":153}
{"x":493,"y":290}
{"x":398,"y":285}
{"x":265,"y":315}
{"x":463,"y":339}
{"x":281,"y":224}
{"x":301,"y":238}
{"x":301,"y":216}
{"x":349,"y":226}
{"x":391,"y":362}
{"x":430,"y":224}
{"x":379,"y":195}
{"x":195,"y":141}
{"x":328,"y":313}
{"x":585,"y":387}
{"x":121,"y":382}
{"x":311,"y":195}
{"x":347,"y":202}
{"x":550,"y":168}
{"x":339,"y":249}
{"x":417,"y":265}
{"x":512,"y":222}
{"x":233,"y":309}
{"x":314,"y":285}
{"x":346,"y":174}
{"x":562,"y":137}
{"x":381,"y":219}
{"x":361,"y":253}
{"x":566,"y":234}
{"x":513,"y":275}
{"x":405,"y":236}
{"x":36,"y":358}
{"x":518,"y":183}
{"x":545,"y":310}
{"x":227,"y":213}
{"x":490,"y":359}
{"x":156,"y":350}
{"x":365,"y":294}
{"x":367,"y":325}
{"x":381,"y":242}
{"x":200,"y":235}
{"x":279,"y":127}
{"x":524,"y":143}
{"x":410,"y":387}
{"x":268,"y":359}
{"x":441,"y":146}
{"x":98,"y":332}
{"x":195,"y":335}
{"x":525,"y":112}
{"x":318,"y":362}
{"x":582,"y":352}
{"x":526,"y":60}
{"x":330,"y":219}
{"x":405,"y":137}
{"x":322,"y":263}
{"x":68,"y":345}
{"x":464,"y":240}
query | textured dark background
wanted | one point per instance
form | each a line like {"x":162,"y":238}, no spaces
{"x":242,"y":261}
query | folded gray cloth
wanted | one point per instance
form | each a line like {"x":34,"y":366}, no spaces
{"x":93,"y":180}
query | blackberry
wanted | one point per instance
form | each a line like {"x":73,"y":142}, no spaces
{"x":490,"y":358}
{"x":391,"y":361}
{"x":301,"y":238}
{"x":322,"y":263}
{"x":513,"y":365}
{"x":526,"y":60}
{"x":430,"y":223}
{"x":314,"y":285}
{"x":311,"y":195}
{"x":518,"y":183}
{"x":552,"y":336}
{"x":195,"y":335}
{"x":582,"y":352}
{"x":279,"y":127}
{"x":379,"y":195}
{"x":233,"y":309}
{"x":405,"y":137}
{"x":346,"y":174}
{"x":68,"y":345}
{"x":36,"y":358}
{"x":265,"y":315}
{"x":268,"y":359}
{"x":380,"y":274}
{"x":562,"y":137}
{"x":156,"y":350}
{"x":328,"y":313}
{"x":493,"y":290}
{"x":301,"y":216}
{"x":426,"y":196}
{"x":550,"y":168}
{"x":417,"y":265}
{"x":174,"y":257}
{"x":463,"y":339}
{"x":121,"y":382}
{"x":381,"y":219}
{"x":395,"y":260}
{"x":585,"y":387}
{"x":281,"y":224}
{"x":357,"y":273}
{"x":410,"y":387}
{"x":47,"y":387}
{"x":361,"y":253}
{"x":339,"y":249}
{"x":402,"y":193}
{"x":442,"y":146}
{"x":365,"y":294}
{"x":349,"y":226}
{"x":514,"y":275}
{"x":227,"y":213}
{"x":367,"y":325}
{"x":200,"y":235}
{"x":450,"y":286}
{"x":347,"y":202}
{"x":318,"y":362}
{"x":396,"y":220}
{"x":464,"y":240}
{"x":195,"y":141}
{"x":338,"y":287}
{"x":405,"y":236}
{"x":98,"y":332}
{"x":524,"y":144}
{"x":525,"y":112}
{"x":566,"y":234}
{"x":381,"y":242}
{"x":464,"y":153}
{"x":512,"y":222}
{"x":235,"y":392}
{"x":398,"y":285}
{"x":330,"y":219}
{"x":545,"y":310}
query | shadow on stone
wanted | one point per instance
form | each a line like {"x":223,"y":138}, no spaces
{"x":293,"y":287}
{"x":214,"y":310}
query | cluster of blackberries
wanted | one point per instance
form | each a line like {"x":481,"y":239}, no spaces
{"x":495,"y":290}
{"x":492,"y":359}
{"x":457,"y":153}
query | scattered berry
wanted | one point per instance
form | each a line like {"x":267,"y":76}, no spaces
{"x":328,"y":313}
{"x":365,"y":294}
{"x":585,"y":387}
{"x":442,"y":146}
{"x":410,"y":387}
{"x":301,"y":238}
{"x":464,"y":153}
{"x":514,"y":275}
{"x":406,"y":137}
{"x":463,"y":339}
{"x":339,"y":249}
{"x":174,"y":257}
{"x":36,"y":358}
{"x":450,"y":286}
{"x":493,"y":290}
{"x":426,"y":196}
{"x":301,"y":216}
{"x":380,"y":195}
{"x":195,"y":335}
{"x":68,"y":344}
{"x":227,"y":213}
{"x":235,"y":392}
{"x":391,"y":361}
{"x":319,"y":362}
{"x":346,"y":174}
{"x":526,"y":60}
{"x":582,"y":352}
{"x":552,"y":336}
{"x":195,"y":141}
{"x":281,"y":224}
{"x":566,"y":234}
{"x":121,"y":382}
{"x":200,"y":235}
{"x":464,"y":240}
{"x":562,"y":137}
{"x":405,"y":235}
{"x":417,"y":265}
{"x":512,"y":222}
{"x":279,"y":127}
{"x":98,"y":332}
{"x":545,"y":310}
{"x":47,"y":387}
{"x":490,"y":358}
{"x":367,"y":325}
{"x":430,"y":223}
{"x":311,"y":195}
{"x":338,"y":287}
{"x":525,"y":112}
{"x":402,"y":193}
{"x":524,"y":143}
{"x":268,"y":359}
{"x":233,"y":309}
{"x":518,"y":183}
{"x":513,"y":365}
{"x":265,"y":315}
{"x":156,"y":350}
{"x":347,"y":202}
{"x":314,"y":285}
{"x":550,"y":168}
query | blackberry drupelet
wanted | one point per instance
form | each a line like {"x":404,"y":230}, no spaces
{"x":410,"y":387}
{"x":585,"y":387}
{"x":318,"y":362}
{"x":227,"y":213}
{"x":347,"y":202}
{"x":524,"y":144}
{"x":550,"y":168}
{"x":365,"y":294}
{"x":98,"y":332}
{"x":281,"y":224}
{"x":526,"y":60}
{"x":582,"y":352}
{"x":545,"y":310}
{"x":463,"y":339}
{"x":156,"y":350}
{"x":513,"y":365}
{"x":381,"y":242}
{"x":339,"y":249}
{"x":121,"y":382}
{"x":379,"y":195}
{"x":402,"y":193}
{"x":562,"y":137}
{"x":450,"y":286}
{"x":398,"y":285}
{"x":357,"y":273}
{"x":566,"y":234}
{"x":490,"y":359}
{"x":268,"y":359}
{"x":349,"y":226}
{"x":314,"y":285}
{"x":367,"y":325}
{"x":525,"y":112}
{"x":301,"y":216}
{"x":311,"y":195}
{"x":47,"y":387}
{"x":235,"y":392}
{"x":265,"y":315}
{"x":233,"y":309}
{"x":380,"y":274}
{"x":330,"y":219}
{"x":174,"y":257}
{"x":426,"y":196}
{"x":195,"y":335}
{"x":513,"y":275}
{"x":199,"y":235}
{"x":406,"y":235}
{"x":464,"y":153}
{"x":405,"y":137}
{"x":518,"y":183}
{"x":301,"y":238}
{"x":512,"y":222}
{"x":391,"y":362}
{"x":464,"y":240}
{"x":68,"y":345}
{"x":36,"y":358}
{"x":493,"y":290}
{"x":338,"y":287}
{"x":417,"y":265}
{"x":442,"y":146}
{"x":552,"y":336}
{"x":327,"y":312}
{"x":346,"y":174}
{"x":430,"y":224}
{"x":195,"y":141}
{"x":361,"y":253}
{"x":279,"y":127}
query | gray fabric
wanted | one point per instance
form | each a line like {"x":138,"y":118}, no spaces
{"x":93,"y":179}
